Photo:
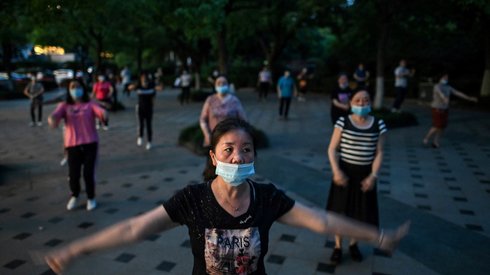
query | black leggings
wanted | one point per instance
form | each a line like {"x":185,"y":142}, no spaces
{"x":284,"y":105}
{"x":186,"y":95}
{"x":36,"y":103}
{"x":263,"y":89}
{"x":401,"y":92}
{"x":82,"y":155}
{"x":145,"y":115}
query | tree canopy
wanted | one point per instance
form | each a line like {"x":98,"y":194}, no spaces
{"x":334,"y":35}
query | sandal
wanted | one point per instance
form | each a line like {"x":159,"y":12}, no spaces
{"x":355,"y":254}
{"x":336,"y":257}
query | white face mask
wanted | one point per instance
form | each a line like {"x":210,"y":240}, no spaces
{"x":234,"y":174}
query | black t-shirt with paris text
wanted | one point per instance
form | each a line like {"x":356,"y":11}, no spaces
{"x":221,"y":243}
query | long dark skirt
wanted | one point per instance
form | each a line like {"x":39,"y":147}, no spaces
{"x":351,"y":201}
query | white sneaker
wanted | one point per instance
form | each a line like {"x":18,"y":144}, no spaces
{"x":63,"y":161}
{"x":72,"y":203}
{"x":97,"y":126}
{"x":105,"y":128}
{"x":31,"y":124}
{"x":148,"y":146}
{"x":39,"y":123}
{"x":139,"y":141}
{"x":91,"y":204}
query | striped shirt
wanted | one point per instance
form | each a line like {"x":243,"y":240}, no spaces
{"x":358,"y":145}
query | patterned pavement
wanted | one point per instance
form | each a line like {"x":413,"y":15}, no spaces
{"x":445,"y":192}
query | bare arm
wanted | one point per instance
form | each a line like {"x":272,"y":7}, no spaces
{"x":339,"y":177}
{"x":464,"y":96}
{"x":123,"y":233}
{"x":368,"y":183}
{"x":204,"y":124}
{"x":378,"y":159}
{"x":52,"y":122}
{"x":340,"y":104}
{"x":323,"y":222}
{"x":26,"y":91}
{"x":111,"y":91}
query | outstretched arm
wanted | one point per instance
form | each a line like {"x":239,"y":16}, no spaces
{"x":123,"y":233}
{"x":323,"y":222}
{"x":464,"y":96}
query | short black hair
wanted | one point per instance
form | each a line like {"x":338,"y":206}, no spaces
{"x":222,"y":128}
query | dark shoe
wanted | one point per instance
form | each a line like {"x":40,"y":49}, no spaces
{"x":336,"y":257}
{"x":355,"y":254}
{"x":435,"y":145}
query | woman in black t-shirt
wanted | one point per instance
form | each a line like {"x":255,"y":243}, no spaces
{"x":228,"y":217}
{"x":146,"y":90}
{"x":340,"y":99}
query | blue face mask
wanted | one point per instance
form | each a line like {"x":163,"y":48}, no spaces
{"x":222,"y":89}
{"x":234,"y":174}
{"x":361,"y":110}
{"x":76,"y":93}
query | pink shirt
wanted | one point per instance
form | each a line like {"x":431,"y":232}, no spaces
{"x":79,"y":122}
{"x":216,"y":109}
{"x":102,"y":90}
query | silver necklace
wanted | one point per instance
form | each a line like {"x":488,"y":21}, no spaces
{"x":235,"y":208}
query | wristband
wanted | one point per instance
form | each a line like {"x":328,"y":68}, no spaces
{"x":375,"y":175}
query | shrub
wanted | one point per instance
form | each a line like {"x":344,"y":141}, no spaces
{"x":395,"y":120}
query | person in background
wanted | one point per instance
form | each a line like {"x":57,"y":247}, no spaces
{"x":34,"y":91}
{"x":111,"y":78}
{"x":125,"y":79}
{"x":159,"y":76}
{"x":303,"y":78}
{"x":185,"y":84}
{"x":440,"y":109}
{"x":81,"y":140}
{"x":146,"y":91}
{"x":264,"y":82}
{"x":217,"y":107}
{"x":229,"y":208}
{"x":401,"y":84}
{"x":212,"y":79}
{"x":361,"y":76}
{"x":340,"y":98}
{"x":102,"y":92}
{"x":286,"y":89}
{"x":356,"y":154}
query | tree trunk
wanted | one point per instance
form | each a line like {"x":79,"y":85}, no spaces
{"x":380,"y":65}
{"x":222,"y":51}
{"x":7,"y":56}
{"x":98,"y":60}
{"x":485,"y":86}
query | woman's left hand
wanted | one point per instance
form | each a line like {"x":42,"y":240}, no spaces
{"x":367,"y":184}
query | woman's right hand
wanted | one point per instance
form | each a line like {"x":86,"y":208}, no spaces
{"x":340,"y":179}
{"x":389,"y":241}
{"x":59,"y":259}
